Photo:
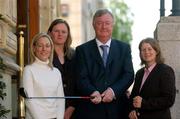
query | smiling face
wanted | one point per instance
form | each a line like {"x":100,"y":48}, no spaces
{"x":148,"y":54}
{"x":103,"y":26}
{"x":42,"y":49}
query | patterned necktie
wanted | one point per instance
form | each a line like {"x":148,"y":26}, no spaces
{"x":105,"y":54}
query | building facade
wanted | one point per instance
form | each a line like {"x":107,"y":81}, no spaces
{"x":31,"y":17}
{"x":78,"y":13}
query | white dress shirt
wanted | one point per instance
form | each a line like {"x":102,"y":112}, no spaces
{"x":108,"y":43}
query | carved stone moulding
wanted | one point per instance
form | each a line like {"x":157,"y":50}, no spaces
{"x":8,"y":40}
{"x":8,"y":11}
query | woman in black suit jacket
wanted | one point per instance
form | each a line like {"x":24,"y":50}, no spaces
{"x":63,"y":59}
{"x":153,"y":98}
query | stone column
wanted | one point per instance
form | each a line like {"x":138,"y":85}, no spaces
{"x":168,"y":35}
{"x":7,"y":71}
{"x":8,"y":49}
{"x":175,"y":8}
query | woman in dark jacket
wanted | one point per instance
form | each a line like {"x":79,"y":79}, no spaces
{"x":154,"y":89}
{"x":59,"y":31}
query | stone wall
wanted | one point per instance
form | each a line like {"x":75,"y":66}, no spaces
{"x":8,"y":51}
{"x":168,"y":35}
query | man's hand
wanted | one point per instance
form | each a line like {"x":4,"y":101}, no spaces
{"x":96,"y":97}
{"x":107,"y":95}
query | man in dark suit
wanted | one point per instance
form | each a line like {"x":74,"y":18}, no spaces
{"x":103,"y":75}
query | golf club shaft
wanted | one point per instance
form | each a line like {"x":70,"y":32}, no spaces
{"x":65,"y":97}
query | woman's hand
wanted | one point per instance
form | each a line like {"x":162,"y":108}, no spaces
{"x":68,"y":113}
{"x":137,"y":101}
{"x":133,"y":115}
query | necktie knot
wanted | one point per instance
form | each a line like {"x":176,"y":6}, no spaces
{"x":104,"y":47}
{"x":105,"y":54}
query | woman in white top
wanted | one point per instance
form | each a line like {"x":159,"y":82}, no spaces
{"x":41,"y":79}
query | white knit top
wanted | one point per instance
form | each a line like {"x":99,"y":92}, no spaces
{"x":39,"y":80}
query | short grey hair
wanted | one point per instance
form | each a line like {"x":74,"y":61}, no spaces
{"x":101,"y":12}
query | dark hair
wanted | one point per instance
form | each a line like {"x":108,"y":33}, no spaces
{"x":155,"y":45}
{"x":67,"y":48}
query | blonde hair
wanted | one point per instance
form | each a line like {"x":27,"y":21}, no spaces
{"x":33,"y":43}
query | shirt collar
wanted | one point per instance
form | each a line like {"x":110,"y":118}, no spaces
{"x":40,"y":61}
{"x":108,"y":43}
{"x":151,"y":67}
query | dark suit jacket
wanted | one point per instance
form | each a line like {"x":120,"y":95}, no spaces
{"x":92,"y":76}
{"x":158,"y":92}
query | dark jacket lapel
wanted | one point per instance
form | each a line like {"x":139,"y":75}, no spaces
{"x":95,"y":52}
{"x":150,"y":76}
{"x":112,"y":52}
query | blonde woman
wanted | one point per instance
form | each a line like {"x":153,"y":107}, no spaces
{"x":41,"y":79}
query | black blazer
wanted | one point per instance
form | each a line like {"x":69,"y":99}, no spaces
{"x":158,"y":92}
{"x":92,"y":76}
{"x":68,"y":75}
